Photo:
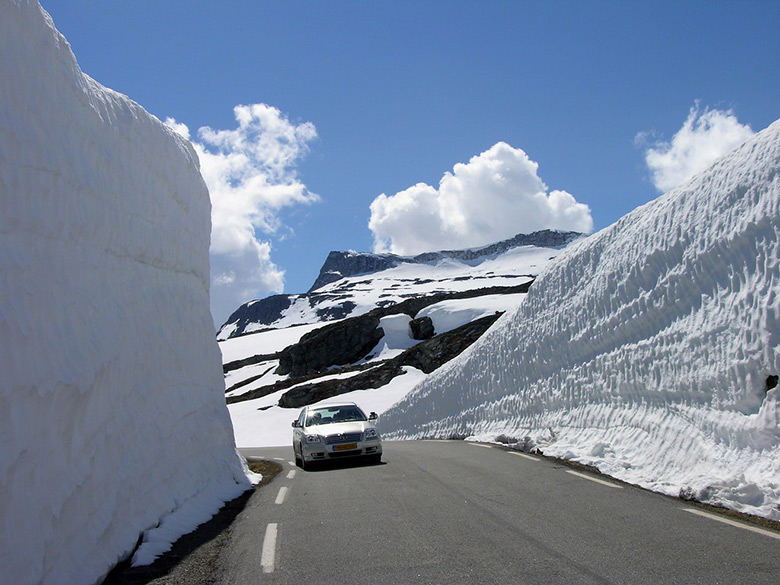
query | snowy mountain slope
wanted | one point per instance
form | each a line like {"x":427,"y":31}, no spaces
{"x":352,"y":283}
{"x":112,"y":418}
{"x":650,"y":350}
{"x":340,"y":265}
{"x":251,"y":360}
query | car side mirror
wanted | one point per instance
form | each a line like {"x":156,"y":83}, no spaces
{"x":373,"y":416}
{"x":296,"y":424}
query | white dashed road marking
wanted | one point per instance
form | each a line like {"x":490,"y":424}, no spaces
{"x":268,"y":558}
{"x":281,"y":494}
{"x":291,"y":474}
{"x":756,"y":529}
{"x":481,"y":445}
{"x":601,"y":481}
{"x":524,"y":456}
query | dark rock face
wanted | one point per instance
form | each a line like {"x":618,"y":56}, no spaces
{"x":426,"y":356}
{"x":249,"y":361}
{"x":338,"y":344}
{"x":349,"y":341}
{"x":265,"y":311}
{"x":341,"y":264}
{"x":310,"y":393}
{"x":433,"y":353}
{"x":337,"y":312}
{"x":422,"y":328}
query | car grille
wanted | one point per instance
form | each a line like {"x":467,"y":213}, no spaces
{"x":343,"y":438}
{"x":345,"y":453}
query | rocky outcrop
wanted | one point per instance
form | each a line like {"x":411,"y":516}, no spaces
{"x":310,"y":393}
{"x":335,"y":312}
{"x":348,"y":341}
{"x":421,"y":328}
{"x":249,"y":361}
{"x":339,"y":344}
{"x":425,"y":356}
{"x":264,"y":312}
{"x":431,"y":354}
{"x":339,"y":265}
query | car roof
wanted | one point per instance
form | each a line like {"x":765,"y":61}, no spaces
{"x":330,"y":405}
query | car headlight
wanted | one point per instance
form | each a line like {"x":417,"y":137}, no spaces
{"x":371,"y":434}
{"x":312,"y":438}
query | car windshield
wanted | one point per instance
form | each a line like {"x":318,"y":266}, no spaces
{"x":334,"y":414}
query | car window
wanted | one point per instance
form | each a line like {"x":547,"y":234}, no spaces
{"x":334,"y":414}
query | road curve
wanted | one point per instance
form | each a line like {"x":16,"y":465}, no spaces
{"x":456,"y":512}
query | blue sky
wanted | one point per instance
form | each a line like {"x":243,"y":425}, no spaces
{"x":371,"y":98}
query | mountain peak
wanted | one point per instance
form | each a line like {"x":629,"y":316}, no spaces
{"x":339,"y":265}
{"x":352,"y":283}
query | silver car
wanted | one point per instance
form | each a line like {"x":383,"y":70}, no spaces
{"x":332,"y":431}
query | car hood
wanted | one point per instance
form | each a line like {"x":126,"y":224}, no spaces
{"x":343,"y":427}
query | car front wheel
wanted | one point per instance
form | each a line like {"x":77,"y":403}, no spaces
{"x":298,"y":458}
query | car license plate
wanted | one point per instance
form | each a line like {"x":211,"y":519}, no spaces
{"x":346,"y":447}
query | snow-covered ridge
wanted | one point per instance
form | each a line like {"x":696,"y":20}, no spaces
{"x":340,"y":265}
{"x":647,"y":350}
{"x":112,"y":416}
{"x":352,"y":283}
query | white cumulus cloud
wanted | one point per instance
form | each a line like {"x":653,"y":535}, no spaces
{"x":251,"y":175}
{"x":496,"y":195}
{"x":704,"y":137}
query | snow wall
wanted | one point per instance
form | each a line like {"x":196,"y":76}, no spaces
{"x":645,"y":350}
{"x":112,"y":413}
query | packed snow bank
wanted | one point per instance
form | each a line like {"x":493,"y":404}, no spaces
{"x":112,"y":415}
{"x":449,"y":315}
{"x":646,"y":350}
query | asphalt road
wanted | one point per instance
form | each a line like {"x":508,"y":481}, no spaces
{"x":455,"y":512}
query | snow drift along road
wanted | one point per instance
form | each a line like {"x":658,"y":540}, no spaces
{"x":646,"y":350}
{"x":112,"y":415}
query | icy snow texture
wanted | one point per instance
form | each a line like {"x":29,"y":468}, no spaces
{"x":112,"y":417}
{"x":645,"y":349}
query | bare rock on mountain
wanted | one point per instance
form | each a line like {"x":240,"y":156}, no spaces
{"x":426,"y":356}
{"x":339,"y":344}
{"x":432,"y":353}
{"x":421,"y":328}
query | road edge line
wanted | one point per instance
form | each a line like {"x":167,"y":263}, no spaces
{"x":524,"y":455}
{"x":594,"y":479}
{"x":735,"y":523}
